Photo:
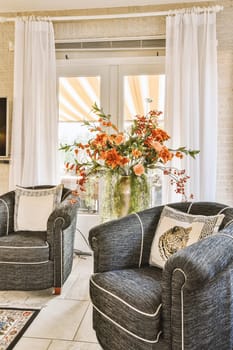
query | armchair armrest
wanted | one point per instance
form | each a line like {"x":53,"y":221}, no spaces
{"x":196,"y":288}
{"x":61,"y":218}
{"x":7,"y":202}
{"x":61,"y":228}
{"x":202,"y":261}
{"x":125,"y":242}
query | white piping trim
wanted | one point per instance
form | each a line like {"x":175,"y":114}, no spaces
{"x":61,"y":246}
{"x":142,"y":240}
{"x":222,"y":210}
{"x":8,"y":215}
{"x":54,"y":270}
{"x":182,"y":306}
{"x":24,"y":263}
{"x":59,"y":217}
{"x":124,"y":302}
{"x":225,"y":234}
{"x":189,"y":208}
{"x":12,"y":247}
{"x":228,"y":223}
{"x":126,"y":330}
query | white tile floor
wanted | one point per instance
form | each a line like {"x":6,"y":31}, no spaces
{"x":65,"y":321}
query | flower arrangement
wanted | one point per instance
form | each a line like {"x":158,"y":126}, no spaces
{"x":130,"y":153}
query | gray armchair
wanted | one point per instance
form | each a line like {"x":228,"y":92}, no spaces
{"x":31,"y":260}
{"x":188,"y":305}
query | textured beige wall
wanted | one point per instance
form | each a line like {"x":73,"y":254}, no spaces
{"x":225,"y":100}
{"x":138,"y":27}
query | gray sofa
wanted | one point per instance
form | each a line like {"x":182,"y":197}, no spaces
{"x":31,"y":260}
{"x":187,"y":306}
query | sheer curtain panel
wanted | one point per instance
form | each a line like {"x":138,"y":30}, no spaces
{"x":191,"y":97}
{"x":34,"y":126}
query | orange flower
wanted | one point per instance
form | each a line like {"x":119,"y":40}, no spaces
{"x":114,"y":159}
{"x":179,"y":155}
{"x":156,"y":145}
{"x":155,"y":113}
{"x":102,"y":155}
{"x":100,"y":140}
{"x":119,"y":139}
{"x":160,"y":135}
{"x":136,"y":153}
{"x":107,"y":124}
{"x":138,"y":169}
{"x":165,"y":154}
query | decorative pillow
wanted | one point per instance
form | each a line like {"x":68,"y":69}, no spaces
{"x":33,"y":207}
{"x":177,"y":229}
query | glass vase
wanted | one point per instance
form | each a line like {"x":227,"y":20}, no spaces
{"x":123,"y":195}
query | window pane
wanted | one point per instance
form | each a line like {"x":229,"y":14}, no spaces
{"x":143,"y":93}
{"x":76,"y":97}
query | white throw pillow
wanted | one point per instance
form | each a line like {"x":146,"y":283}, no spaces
{"x":177,"y":230}
{"x":33,"y":207}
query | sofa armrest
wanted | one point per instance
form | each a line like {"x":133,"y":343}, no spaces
{"x":7,"y":203}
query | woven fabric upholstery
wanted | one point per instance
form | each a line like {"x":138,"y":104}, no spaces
{"x":195,"y":288}
{"x":26,"y":277}
{"x":138,"y":305}
{"x":23,"y":247}
{"x":204,"y":274}
{"x":32,"y":260}
{"x":7,"y":203}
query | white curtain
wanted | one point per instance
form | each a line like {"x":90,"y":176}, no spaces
{"x":34,"y":125}
{"x":191,"y":98}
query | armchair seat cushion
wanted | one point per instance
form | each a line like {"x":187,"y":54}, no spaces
{"x":130,"y":298}
{"x":24,"y":247}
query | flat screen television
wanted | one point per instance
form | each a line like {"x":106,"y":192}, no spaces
{"x":3,"y":127}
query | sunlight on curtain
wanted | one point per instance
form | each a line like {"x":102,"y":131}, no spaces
{"x":191,"y":97}
{"x":34,"y":129}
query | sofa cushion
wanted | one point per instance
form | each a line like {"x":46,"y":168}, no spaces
{"x":24,"y":247}
{"x":33,"y":207}
{"x":131,"y":299}
{"x":177,"y":230}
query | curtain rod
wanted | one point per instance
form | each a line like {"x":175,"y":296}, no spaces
{"x":216,"y":8}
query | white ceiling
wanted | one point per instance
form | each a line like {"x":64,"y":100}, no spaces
{"x":40,"y":5}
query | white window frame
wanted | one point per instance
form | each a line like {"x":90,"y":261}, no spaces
{"x":111,"y":71}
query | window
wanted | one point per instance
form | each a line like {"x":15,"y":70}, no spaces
{"x":123,"y":88}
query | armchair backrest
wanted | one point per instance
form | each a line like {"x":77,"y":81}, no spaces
{"x":7,"y":205}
